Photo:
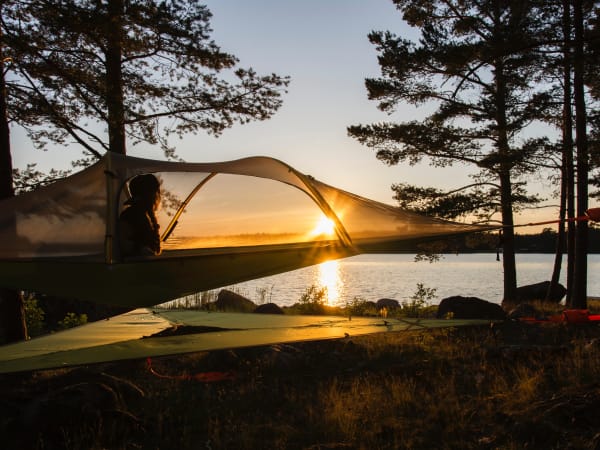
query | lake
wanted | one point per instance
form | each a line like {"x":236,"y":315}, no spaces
{"x":375,"y":276}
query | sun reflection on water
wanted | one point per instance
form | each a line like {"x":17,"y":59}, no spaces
{"x":329,"y":277}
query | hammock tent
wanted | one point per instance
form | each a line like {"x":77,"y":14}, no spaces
{"x":221,"y":223}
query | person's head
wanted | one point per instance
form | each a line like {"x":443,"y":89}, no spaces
{"x":145,"y":190}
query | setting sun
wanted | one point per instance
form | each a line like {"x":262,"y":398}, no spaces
{"x":324,"y":226}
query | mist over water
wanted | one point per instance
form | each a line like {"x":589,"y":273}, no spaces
{"x":374,"y":276}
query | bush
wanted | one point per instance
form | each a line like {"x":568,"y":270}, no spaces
{"x":360,"y":307}
{"x":418,"y":304}
{"x":313,"y":301}
{"x":72,"y":320}
{"x":34,"y":316}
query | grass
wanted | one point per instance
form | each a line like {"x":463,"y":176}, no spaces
{"x":511,"y":386}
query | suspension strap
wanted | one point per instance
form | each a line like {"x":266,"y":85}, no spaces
{"x":592,"y":214}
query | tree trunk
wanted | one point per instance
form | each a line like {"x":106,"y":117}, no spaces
{"x":568,"y":171}
{"x":12,"y":316}
{"x":571,"y":229}
{"x":560,"y":236}
{"x":508,"y":243}
{"x":114,"y":78}
{"x":509,"y":263}
{"x":6,"y":177}
{"x":579,"y":299}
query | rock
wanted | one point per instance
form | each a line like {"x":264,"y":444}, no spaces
{"x":388,"y":303}
{"x":470,"y":308}
{"x":230,"y":301}
{"x":268,"y":308}
{"x":538,"y":291}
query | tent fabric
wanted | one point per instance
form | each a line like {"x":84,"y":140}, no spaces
{"x":222,"y":223}
{"x":120,"y":338}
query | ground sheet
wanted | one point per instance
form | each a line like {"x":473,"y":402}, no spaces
{"x":146,"y":333}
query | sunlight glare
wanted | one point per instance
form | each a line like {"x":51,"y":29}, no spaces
{"x":324,"y":226}
{"x":329,"y":277}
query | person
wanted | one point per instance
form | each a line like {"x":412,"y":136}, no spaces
{"x":138,"y":228}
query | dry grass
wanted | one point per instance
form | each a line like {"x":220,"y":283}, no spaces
{"x":512,"y":386}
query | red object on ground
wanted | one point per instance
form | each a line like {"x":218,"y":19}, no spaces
{"x":203,"y":377}
{"x":569,"y":316}
{"x":576,"y":315}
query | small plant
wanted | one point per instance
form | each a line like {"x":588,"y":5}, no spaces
{"x":360,"y":307}
{"x":314,"y":295}
{"x":419,"y":301}
{"x":34,"y":316}
{"x":313,"y":300}
{"x":72,"y":320}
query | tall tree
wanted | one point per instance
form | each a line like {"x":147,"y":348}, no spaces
{"x":142,"y":70}
{"x":568,"y":170}
{"x":554,"y":43}
{"x":570,"y":55}
{"x":593,"y":82}
{"x":579,"y":297}
{"x":475,"y":61}
{"x":12,"y":317}
{"x":563,"y":66}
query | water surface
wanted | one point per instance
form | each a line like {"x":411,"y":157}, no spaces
{"x":375,"y":276}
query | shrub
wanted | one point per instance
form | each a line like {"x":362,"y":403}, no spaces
{"x":72,"y":320}
{"x":34,"y":316}
{"x":418,"y":303}
{"x":313,"y":301}
{"x":360,"y":307}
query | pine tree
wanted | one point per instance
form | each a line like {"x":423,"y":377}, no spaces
{"x":475,"y":62}
{"x":143,"y":70}
{"x":12,"y":314}
{"x":579,"y":297}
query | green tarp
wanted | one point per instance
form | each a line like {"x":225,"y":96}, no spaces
{"x":121,"y":337}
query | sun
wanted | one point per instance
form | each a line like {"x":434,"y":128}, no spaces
{"x":324,"y":226}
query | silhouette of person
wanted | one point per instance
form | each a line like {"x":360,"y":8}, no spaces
{"x":138,"y":229}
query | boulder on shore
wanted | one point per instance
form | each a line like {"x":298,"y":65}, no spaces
{"x":268,"y":308}
{"x":538,"y":292}
{"x":388,"y":303}
{"x":230,"y":301}
{"x":470,"y":308}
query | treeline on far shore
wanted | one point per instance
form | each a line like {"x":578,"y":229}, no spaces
{"x":544,"y":242}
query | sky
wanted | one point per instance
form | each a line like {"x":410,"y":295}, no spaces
{"x":323,"y":46}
